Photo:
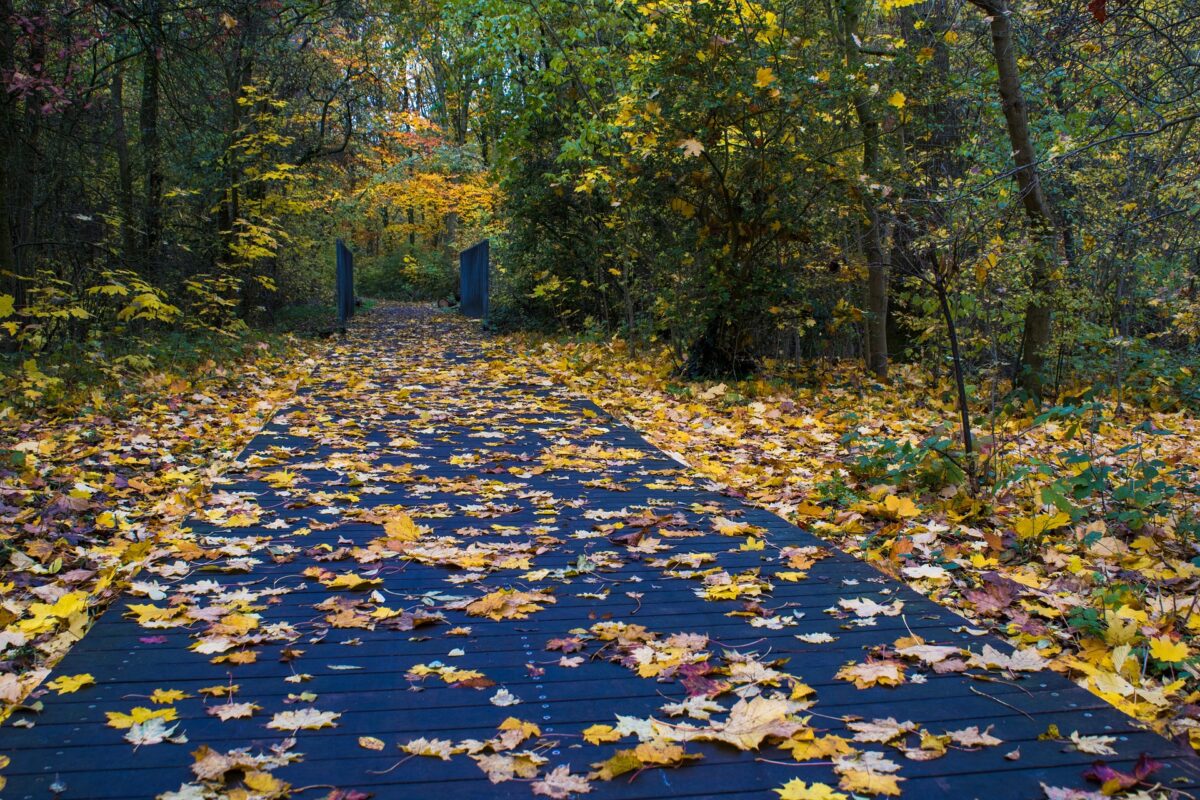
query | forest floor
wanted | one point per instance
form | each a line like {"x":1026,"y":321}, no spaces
{"x":1084,"y":544}
{"x":91,"y":482}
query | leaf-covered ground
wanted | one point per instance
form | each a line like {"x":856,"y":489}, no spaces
{"x":439,"y":571}
{"x":85,"y":496}
{"x":1083,"y":547}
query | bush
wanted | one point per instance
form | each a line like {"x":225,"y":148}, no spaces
{"x":414,"y":275}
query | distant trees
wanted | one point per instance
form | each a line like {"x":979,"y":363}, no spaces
{"x":206,"y":157}
{"x":745,"y":179}
{"x":766,"y":179}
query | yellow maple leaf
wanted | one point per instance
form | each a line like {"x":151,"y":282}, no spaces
{"x":855,"y":780}
{"x":264,"y":783}
{"x":403,"y":528}
{"x":900,"y":507}
{"x":351,"y":581}
{"x":451,"y":675}
{"x":659,"y":752}
{"x":800,"y":691}
{"x":872,"y":673}
{"x":1162,"y":648}
{"x":599,"y":734}
{"x":66,"y":684}
{"x":137,"y":716}
{"x":68,"y":604}
{"x":508,"y":604}
{"x":147,"y":612}
{"x":280,"y":479}
{"x":806,"y":746}
{"x":764,"y":77}
{"x":728,"y":527}
{"x":749,"y":722}
{"x":797,"y":789}
{"x":526,"y":728}
{"x":237,"y":624}
{"x":237,"y":657}
{"x":1038,"y":524}
{"x":897,"y":100}
{"x":1120,"y":631}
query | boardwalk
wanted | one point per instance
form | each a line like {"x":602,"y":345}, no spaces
{"x":430,"y":546}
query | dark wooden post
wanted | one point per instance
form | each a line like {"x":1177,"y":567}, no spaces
{"x":345,"y":283}
{"x":473,"y":273}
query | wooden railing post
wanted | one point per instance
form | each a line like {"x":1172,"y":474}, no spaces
{"x":345,"y":283}
{"x":474,"y":267}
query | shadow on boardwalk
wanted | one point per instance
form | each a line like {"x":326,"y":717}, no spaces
{"x":431,"y":572}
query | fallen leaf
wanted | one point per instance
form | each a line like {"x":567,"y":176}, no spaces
{"x":309,"y":719}
{"x":559,"y":783}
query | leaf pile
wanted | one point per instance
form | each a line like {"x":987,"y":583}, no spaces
{"x":87,"y":501}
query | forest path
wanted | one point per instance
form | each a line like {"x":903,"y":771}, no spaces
{"x":427,"y":542}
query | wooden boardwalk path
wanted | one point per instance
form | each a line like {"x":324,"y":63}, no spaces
{"x":401,"y":546}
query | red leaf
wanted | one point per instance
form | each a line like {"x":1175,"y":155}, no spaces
{"x":1102,"y":773}
{"x":1099,"y":9}
{"x":474,"y":683}
{"x":572,"y":644}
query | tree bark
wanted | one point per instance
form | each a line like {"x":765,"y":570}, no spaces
{"x":124,"y":167}
{"x":8,"y":257}
{"x":875,"y":232}
{"x":150,"y":142}
{"x":879,"y":261}
{"x":239,"y":74}
{"x":960,"y":383}
{"x":28,"y":166}
{"x":1039,"y":214}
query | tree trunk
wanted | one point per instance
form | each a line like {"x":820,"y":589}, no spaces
{"x":960,"y":383}
{"x":875,"y":231}
{"x":150,"y":143}
{"x":239,"y":75}
{"x":27,"y":167}
{"x":8,"y":144}
{"x":451,"y":243}
{"x":124,"y":168}
{"x":878,"y":276}
{"x":1037,"y":208}
{"x":718,"y":351}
